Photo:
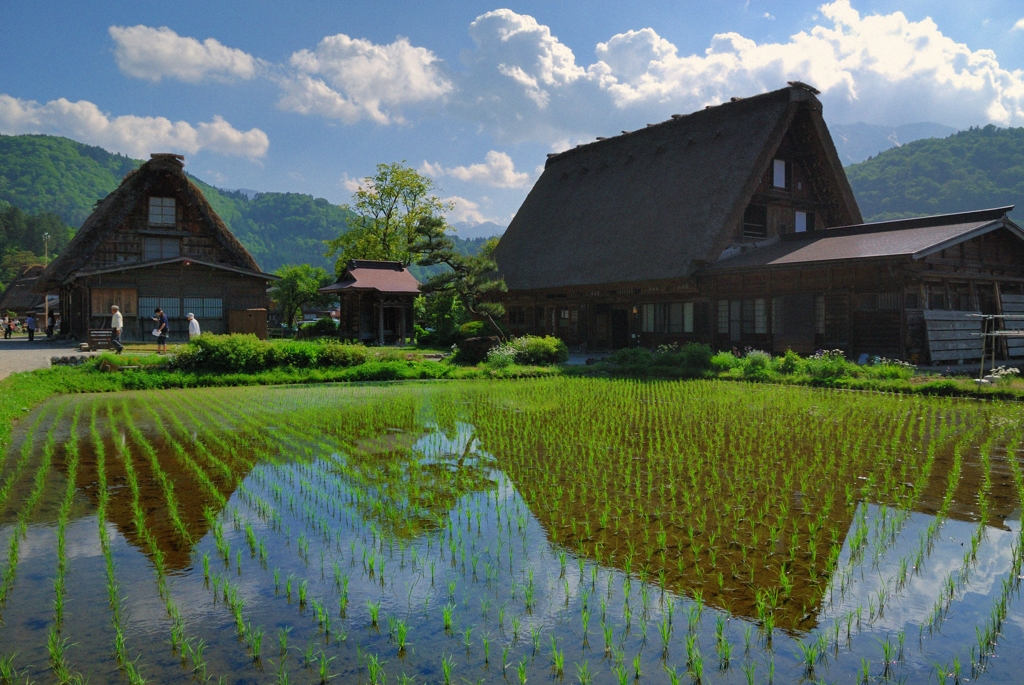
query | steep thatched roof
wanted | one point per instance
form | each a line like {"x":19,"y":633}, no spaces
{"x":663,"y":201}
{"x":112,"y":210}
{"x":20,"y":296}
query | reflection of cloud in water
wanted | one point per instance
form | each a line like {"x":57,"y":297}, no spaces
{"x":913,"y":604}
{"x":437,"y":444}
{"x":81,"y":539}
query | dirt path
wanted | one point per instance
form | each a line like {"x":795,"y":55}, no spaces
{"x":18,"y":354}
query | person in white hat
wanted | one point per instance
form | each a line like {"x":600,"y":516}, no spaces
{"x":193,"y":326}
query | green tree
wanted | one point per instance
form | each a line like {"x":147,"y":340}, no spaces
{"x":388,"y":208}
{"x":298,"y":288}
{"x":473,"y":278}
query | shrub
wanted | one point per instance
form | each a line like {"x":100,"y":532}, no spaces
{"x":789,"y":363}
{"x":235,"y":353}
{"x":529,"y":349}
{"x":292,"y":353}
{"x":696,"y":357}
{"x":502,"y":356}
{"x":889,"y":369}
{"x":724,"y":361}
{"x":340,"y":354}
{"x":692,"y":358}
{"x":632,"y":356}
{"x":757,"y":365}
{"x":473,"y":329}
{"x":324,"y":327}
{"x":535,"y":349}
{"x":829,"y":365}
{"x":248,"y":354}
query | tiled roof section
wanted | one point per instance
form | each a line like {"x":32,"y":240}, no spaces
{"x":384,"y":277}
{"x":912,"y":238}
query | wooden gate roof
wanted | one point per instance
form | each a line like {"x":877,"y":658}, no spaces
{"x":373,"y":275}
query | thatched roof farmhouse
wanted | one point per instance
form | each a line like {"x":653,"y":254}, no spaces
{"x":155,"y":241}
{"x":736,"y":226}
{"x":21,"y":295}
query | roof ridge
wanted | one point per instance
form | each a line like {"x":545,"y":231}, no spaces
{"x":794,"y":92}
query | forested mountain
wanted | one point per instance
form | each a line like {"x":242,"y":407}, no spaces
{"x":857,"y":142}
{"x":973,"y":169}
{"x":40,"y":174}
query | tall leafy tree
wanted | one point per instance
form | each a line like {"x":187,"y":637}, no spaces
{"x":298,"y":288}
{"x":472,"y":278}
{"x":389,"y":206}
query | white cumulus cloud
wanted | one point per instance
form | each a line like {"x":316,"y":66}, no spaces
{"x":352,"y":79}
{"x":154,"y":53}
{"x":129,"y":134}
{"x":465,"y":210}
{"x":497,"y":170}
{"x":523,"y":83}
{"x":1019,"y":26}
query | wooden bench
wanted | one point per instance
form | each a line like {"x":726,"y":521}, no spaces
{"x":99,"y":338}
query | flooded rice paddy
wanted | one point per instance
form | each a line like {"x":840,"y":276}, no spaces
{"x":572,"y":531}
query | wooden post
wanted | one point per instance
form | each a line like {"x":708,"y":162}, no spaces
{"x":380,"y":321}
{"x":402,"y":329}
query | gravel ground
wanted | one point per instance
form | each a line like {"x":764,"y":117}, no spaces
{"x":18,"y":354}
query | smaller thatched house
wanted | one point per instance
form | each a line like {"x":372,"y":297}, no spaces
{"x":376,"y":301}
{"x":156,"y":242}
{"x":21,"y":296}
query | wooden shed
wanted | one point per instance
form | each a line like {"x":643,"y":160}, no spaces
{"x":155,"y":242}
{"x":376,"y":299}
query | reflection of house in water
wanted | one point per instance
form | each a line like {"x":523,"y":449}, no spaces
{"x":407,"y":481}
{"x":728,"y":583}
{"x":192,"y":498}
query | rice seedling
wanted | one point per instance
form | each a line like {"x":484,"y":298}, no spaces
{"x":385,"y":515}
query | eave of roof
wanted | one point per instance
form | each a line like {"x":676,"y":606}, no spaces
{"x":912,"y":239}
{"x":173,"y":260}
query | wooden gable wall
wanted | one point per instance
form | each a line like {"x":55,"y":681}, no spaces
{"x":125,"y":244}
{"x":808,"y":188}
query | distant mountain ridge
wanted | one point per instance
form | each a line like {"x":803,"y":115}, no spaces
{"x":857,"y":142}
{"x":41,"y":173}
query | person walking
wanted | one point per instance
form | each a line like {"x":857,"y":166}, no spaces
{"x":9,"y":329}
{"x":162,"y":328}
{"x":30,"y":324}
{"x":193,"y":326}
{"x":51,"y":323}
{"x":116,"y":324}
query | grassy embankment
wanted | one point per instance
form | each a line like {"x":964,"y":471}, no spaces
{"x":231,"y":361}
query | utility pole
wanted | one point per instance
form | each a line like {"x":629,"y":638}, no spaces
{"x":46,"y":262}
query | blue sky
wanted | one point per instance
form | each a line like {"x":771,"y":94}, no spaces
{"x":309,"y":96}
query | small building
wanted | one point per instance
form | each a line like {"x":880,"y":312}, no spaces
{"x":21,"y":296}
{"x":735,"y":226}
{"x":376,"y":301}
{"x":153,"y":242}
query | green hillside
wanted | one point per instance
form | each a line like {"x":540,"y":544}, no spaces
{"x":47,"y":174}
{"x":973,"y":169}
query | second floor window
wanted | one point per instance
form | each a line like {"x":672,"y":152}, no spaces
{"x":161,"y":211}
{"x":162,"y":248}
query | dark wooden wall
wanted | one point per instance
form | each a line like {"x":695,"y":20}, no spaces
{"x":236,"y":291}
